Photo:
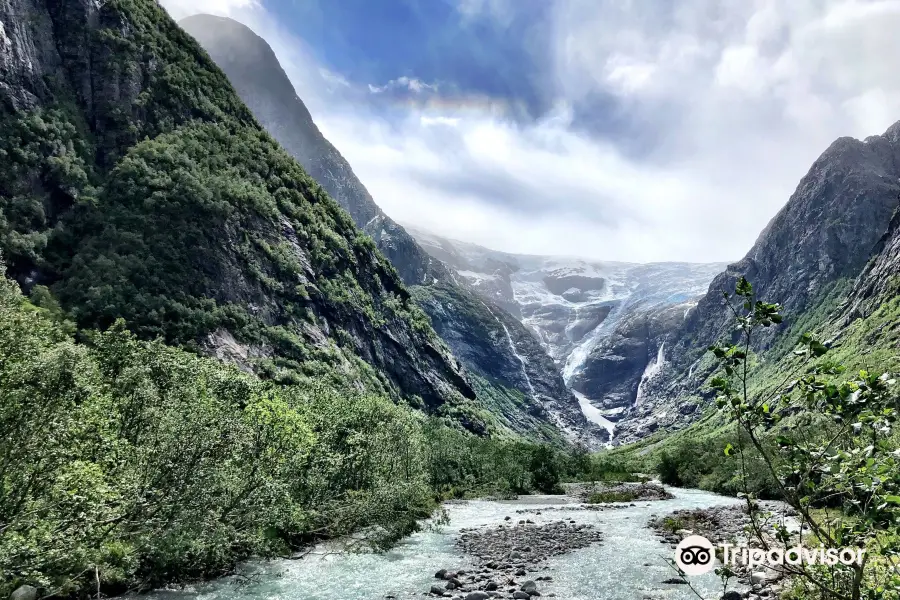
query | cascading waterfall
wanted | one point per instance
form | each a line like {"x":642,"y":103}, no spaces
{"x":522,"y":360}
{"x":593,"y":414}
{"x":653,"y":367}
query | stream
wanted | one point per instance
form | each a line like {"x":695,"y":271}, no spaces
{"x":629,"y":564}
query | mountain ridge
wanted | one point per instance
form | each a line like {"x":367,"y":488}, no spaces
{"x":138,"y":186}
{"x":807,"y":258}
{"x":601,"y":321}
{"x":488,"y":346}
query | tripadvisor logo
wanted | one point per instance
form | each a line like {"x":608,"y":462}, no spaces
{"x":695,"y":555}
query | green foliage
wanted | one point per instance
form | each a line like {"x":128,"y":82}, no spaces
{"x":672,"y":524}
{"x":545,"y":470}
{"x":839,"y":450}
{"x":164,"y":466}
{"x":668,"y":469}
{"x":166,"y":205}
{"x":150,"y":464}
{"x":45,"y":172}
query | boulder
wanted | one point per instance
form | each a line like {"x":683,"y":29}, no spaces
{"x":24,"y":592}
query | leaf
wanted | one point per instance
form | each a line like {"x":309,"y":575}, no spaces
{"x":743,"y":287}
{"x":729,"y":449}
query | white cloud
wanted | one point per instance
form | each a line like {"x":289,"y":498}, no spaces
{"x":404,"y":83}
{"x":334,"y":79}
{"x":740,"y":97}
{"x":179,"y":9}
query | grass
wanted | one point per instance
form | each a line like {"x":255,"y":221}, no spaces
{"x":612,"y":496}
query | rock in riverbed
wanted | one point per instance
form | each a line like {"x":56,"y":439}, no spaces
{"x":24,"y":592}
{"x":508,"y":551}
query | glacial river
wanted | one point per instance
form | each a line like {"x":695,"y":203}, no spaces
{"x":629,"y":564}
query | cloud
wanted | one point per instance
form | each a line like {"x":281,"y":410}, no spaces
{"x":666,"y":131}
{"x":410,"y":84}
{"x":179,"y":9}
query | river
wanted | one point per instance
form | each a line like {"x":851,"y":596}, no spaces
{"x":629,"y":564}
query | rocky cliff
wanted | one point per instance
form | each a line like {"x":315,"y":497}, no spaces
{"x":834,"y":224}
{"x":136,"y":185}
{"x":603,"y":323}
{"x":494,"y":348}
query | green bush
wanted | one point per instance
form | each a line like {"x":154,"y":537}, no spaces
{"x":611,"y":496}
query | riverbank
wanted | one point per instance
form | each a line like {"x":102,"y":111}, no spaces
{"x":729,"y":524}
{"x":623,"y":558}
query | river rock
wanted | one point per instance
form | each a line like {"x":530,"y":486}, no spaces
{"x":758,"y":578}
{"x":441,"y":574}
{"x":477,"y":596}
{"x":24,"y":592}
{"x":520,"y":595}
{"x":436,"y":590}
{"x":732,"y":595}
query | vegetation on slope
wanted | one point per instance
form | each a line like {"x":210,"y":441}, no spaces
{"x":694,"y":456}
{"x":149,"y":216}
{"x":160,"y":200}
{"x":132,"y":463}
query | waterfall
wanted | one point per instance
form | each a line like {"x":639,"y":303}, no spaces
{"x":522,"y":360}
{"x":653,"y":367}
{"x":593,"y":414}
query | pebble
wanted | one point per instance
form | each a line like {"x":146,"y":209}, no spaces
{"x":718,"y":524}
{"x":509,"y":551}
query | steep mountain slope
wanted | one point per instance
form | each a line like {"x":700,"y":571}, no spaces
{"x":137,"y":185}
{"x":511,"y":374}
{"x":806,"y":258}
{"x":602,"y":322}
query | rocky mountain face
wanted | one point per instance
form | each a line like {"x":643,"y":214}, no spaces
{"x":512,"y":375}
{"x":834,"y":225}
{"x":603,"y":323}
{"x":879,"y":283}
{"x":136,"y":185}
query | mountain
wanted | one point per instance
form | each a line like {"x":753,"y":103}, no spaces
{"x":136,"y":185}
{"x":812,"y":258}
{"x":603,"y":323}
{"x":512,"y":376}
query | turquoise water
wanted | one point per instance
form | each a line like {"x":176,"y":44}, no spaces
{"x":630,"y":564}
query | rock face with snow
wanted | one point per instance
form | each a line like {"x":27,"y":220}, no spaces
{"x":513,"y":377}
{"x":603,"y":323}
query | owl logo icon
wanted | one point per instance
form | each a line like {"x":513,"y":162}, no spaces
{"x":694,"y":555}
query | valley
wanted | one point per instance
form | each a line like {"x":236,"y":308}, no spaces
{"x":604,"y":324}
{"x":227,"y":373}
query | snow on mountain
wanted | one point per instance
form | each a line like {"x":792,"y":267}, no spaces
{"x":577,"y":307}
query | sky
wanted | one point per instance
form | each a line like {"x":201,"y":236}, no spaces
{"x":634,"y":130}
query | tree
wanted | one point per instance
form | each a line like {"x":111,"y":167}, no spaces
{"x":545,"y":470}
{"x":834,"y":458}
